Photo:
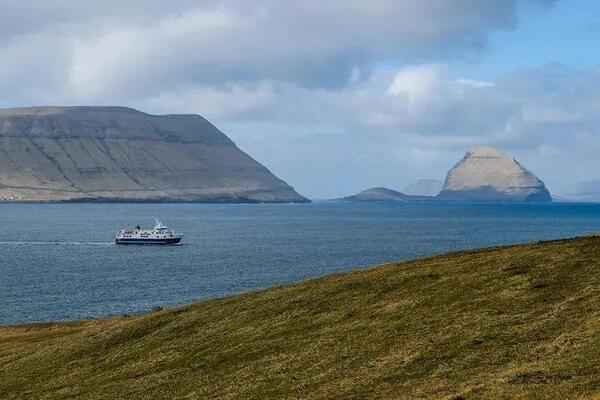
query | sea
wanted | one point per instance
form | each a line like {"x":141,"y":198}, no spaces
{"x":59,"y":262}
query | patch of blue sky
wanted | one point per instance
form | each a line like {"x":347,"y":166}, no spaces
{"x":567,"y":33}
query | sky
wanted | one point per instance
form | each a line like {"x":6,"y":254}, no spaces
{"x":334,"y":97}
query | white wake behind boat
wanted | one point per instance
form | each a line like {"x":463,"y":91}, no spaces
{"x":160,"y":234}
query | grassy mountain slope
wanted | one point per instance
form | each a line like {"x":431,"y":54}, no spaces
{"x":515,"y":322}
{"x":121,"y":154}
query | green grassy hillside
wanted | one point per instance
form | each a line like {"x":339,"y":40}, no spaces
{"x":515,"y":322}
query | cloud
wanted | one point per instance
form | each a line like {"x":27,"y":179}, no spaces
{"x":418,"y":83}
{"x":475,"y":83}
{"x":226,"y":102}
{"x":145,"y":48}
{"x":373,"y":132}
{"x":351,"y":92}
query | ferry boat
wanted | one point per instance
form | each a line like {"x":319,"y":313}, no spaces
{"x":160,"y":234}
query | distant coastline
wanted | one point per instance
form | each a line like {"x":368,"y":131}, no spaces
{"x":153,"y":201}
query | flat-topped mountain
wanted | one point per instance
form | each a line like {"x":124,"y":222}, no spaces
{"x":384,"y":194}
{"x":485,"y":174}
{"x":120,"y":154}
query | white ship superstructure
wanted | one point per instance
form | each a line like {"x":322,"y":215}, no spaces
{"x":160,"y":234}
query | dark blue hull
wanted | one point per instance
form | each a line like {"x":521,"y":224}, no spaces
{"x":149,"y":241}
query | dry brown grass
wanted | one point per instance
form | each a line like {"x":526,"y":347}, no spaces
{"x":509,"y":323}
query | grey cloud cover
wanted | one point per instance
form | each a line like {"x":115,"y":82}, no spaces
{"x":366,"y":135}
{"x":145,"y":47}
{"x":333,"y":96}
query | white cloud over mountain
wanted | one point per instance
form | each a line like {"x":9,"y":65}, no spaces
{"x":140,"y":47}
{"x":333,"y":96}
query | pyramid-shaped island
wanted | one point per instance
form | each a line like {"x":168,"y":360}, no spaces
{"x":486,"y":174}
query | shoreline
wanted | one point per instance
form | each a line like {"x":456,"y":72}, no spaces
{"x":352,"y":270}
{"x":150,"y":201}
{"x":516,"y":321}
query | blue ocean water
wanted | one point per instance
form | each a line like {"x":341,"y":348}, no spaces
{"x":58,"y":261}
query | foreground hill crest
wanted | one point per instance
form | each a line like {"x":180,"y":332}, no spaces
{"x":121,"y":154}
{"x":518,"y":322}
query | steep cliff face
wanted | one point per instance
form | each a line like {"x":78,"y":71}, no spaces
{"x":116,"y":153}
{"x":485,"y":174}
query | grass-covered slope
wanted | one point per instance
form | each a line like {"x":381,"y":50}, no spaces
{"x":516,"y":322}
{"x":121,"y":154}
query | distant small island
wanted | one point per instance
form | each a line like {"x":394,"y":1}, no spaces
{"x":385,"y":194}
{"x":484,"y":174}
